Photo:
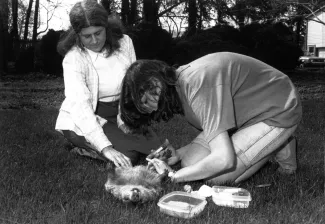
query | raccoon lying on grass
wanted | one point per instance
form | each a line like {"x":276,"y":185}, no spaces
{"x":138,"y":183}
{"x":135,"y":184}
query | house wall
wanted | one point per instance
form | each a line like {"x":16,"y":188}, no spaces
{"x":316,"y":35}
{"x":321,"y":52}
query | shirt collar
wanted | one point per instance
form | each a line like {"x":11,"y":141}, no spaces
{"x":95,"y":55}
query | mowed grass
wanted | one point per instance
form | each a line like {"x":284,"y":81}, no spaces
{"x":42,"y":182}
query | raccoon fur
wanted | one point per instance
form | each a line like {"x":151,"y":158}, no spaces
{"x":135,"y":184}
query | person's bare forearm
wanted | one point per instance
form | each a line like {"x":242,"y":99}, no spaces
{"x":221,"y":159}
{"x":207,"y":167}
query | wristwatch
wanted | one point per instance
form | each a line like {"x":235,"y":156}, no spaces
{"x":171,"y":175}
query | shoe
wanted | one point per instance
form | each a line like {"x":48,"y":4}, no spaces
{"x":68,"y":146}
{"x":284,"y":171}
{"x":286,"y":157}
{"x":88,"y":153}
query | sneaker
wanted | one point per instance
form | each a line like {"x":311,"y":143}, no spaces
{"x":286,"y":157}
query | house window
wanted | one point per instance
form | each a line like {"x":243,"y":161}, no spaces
{"x":311,"y":50}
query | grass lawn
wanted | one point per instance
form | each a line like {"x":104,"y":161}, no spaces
{"x":41,"y":182}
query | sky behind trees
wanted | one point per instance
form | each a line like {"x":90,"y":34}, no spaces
{"x":60,"y":19}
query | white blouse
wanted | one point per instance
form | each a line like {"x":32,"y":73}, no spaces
{"x":83,"y":74}
{"x":110,"y":72}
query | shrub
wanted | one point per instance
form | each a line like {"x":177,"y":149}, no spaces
{"x":151,"y":42}
{"x":271,"y":43}
{"x":216,"y":39}
{"x":25,"y":61}
{"x":275,"y":45}
{"x":50,"y":59}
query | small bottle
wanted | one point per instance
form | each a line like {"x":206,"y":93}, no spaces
{"x":187,"y":188}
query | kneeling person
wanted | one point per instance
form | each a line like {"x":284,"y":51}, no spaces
{"x":246,"y":110}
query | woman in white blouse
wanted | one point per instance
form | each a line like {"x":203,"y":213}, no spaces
{"x":96,"y":56}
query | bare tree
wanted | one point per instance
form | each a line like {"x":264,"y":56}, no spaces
{"x":125,"y":12}
{"x":14,"y":13}
{"x":172,"y":16}
{"x":192,"y":17}
{"x":107,"y":4}
{"x":4,"y":11}
{"x":133,"y":12}
{"x":35,"y":25}
{"x":150,"y":11}
{"x":22,"y":9}
{"x":50,"y":9}
{"x":14,"y":38}
{"x":300,"y":11}
{"x":28,"y":13}
{"x":311,"y":8}
{"x":242,"y":12}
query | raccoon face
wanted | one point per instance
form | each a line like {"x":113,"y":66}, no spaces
{"x":134,"y":193}
{"x":134,"y":184}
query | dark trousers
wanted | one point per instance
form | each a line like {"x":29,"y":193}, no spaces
{"x":130,"y":145}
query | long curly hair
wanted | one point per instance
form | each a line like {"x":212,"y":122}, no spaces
{"x":140,"y":77}
{"x":85,"y":14}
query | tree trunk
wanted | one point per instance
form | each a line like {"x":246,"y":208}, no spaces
{"x":125,"y":12}
{"x":34,"y":39}
{"x":298,"y":30}
{"x":150,"y":12}
{"x":29,"y":10}
{"x":4,"y":15}
{"x":14,"y":38}
{"x":14,"y":8}
{"x":133,"y":12}
{"x":201,"y":16}
{"x":192,"y":17}
{"x":240,"y":13}
{"x":107,"y":5}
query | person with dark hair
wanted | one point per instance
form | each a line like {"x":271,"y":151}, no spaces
{"x":246,"y":110}
{"x":96,"y":56}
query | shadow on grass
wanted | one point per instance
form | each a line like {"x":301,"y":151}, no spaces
{"x":41,"y":182}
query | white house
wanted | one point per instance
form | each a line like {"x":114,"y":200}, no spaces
{"x":315,"y":38}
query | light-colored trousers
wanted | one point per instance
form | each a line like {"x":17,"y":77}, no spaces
{"x":254,"y":146}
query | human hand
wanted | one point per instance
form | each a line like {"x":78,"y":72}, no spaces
{"x":121,"y":125}
{"x":174,"y":158}
{"x":162,"y":154}
{"x":168,"y":155}
{"x":119,"y":159}
{"x":160,"y":166}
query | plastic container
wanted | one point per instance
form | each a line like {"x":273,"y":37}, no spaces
{"x":182,"y":204}
{"x":231,"y":196}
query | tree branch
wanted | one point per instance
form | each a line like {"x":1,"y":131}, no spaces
{"x":170,"y":8}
